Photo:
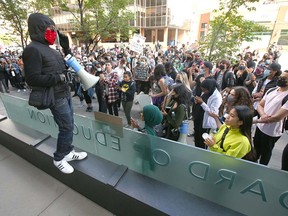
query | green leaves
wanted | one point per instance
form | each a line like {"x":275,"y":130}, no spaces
{"x":229,"y":30}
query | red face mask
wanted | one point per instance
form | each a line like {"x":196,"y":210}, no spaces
{"x":50,"y":36}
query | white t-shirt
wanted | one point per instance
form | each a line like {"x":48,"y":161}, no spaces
{"x":120,"y":71}
{"x":273,"y":103}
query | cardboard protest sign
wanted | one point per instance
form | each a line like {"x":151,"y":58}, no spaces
{"x":137,"y":43}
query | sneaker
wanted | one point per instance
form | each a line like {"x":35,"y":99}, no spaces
{"x":18,"y":90}
{"x":81,"y":104}
{"x":89,"y":109}
{"x":75,"y":156}
{"x":64,"y":166}
{"x":7,"y":91}
{"x":24,"y":90}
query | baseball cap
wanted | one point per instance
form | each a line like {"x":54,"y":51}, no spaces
{"x":274,"y":66}
{"x":208,"y":65}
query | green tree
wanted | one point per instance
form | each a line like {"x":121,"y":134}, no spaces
{"x":95,"y":20}
{"x":229,"y":30}
{"x":14,"y":14}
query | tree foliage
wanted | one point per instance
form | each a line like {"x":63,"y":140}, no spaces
{"x":14,"y":13}
{"x":98,"y":19}
{"x":229,"y":30}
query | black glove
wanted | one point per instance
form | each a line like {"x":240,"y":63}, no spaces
{"x":64,"y":42}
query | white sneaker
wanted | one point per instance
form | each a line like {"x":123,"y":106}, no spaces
{"x":18,"y":90}
{"x":75,"y":156}
{"x":81,"y":104}
{"x":64,"y":166}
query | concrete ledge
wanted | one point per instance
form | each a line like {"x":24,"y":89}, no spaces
{"x":113,"y":186}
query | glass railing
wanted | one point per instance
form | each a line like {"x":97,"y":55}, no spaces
{"x":246,"y":187}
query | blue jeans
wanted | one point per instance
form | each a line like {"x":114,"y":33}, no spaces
{"x":63,"y":116}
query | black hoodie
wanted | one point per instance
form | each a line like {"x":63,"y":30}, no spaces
{"x":42,"y":64}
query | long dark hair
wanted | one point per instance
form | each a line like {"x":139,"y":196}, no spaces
{"x":159,"y":71}
{"x":183,"y":94}
{"x":242,"y":97}
{"x":245,"y":114}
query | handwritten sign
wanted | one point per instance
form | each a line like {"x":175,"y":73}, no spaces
{"x":142,"y":72}
{"x":137,"y":43}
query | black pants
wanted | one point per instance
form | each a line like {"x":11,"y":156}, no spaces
{"x":285,"y":158}
{"x":101,"y":99}
{"x":143,"y":86}
{"x":264,"y":145}
{"x":112,"y":107}
{"x":198,"y":131}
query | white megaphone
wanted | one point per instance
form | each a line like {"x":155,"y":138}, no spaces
{"x":88,"y":80}
{"x":183,"y":132}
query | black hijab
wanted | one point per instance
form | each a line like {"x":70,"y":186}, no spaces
{"x":210,"y":85}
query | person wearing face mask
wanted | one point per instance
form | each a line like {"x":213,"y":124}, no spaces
{"x":99,"y":89}
{"x":206,"y":69}
{"x":241,"y":74}
{"x":259,"y":71}
{"x":176,"y":111}
{"x":250,"y":63}
{"x":209,"y":101}
{"x":44,"y":67}
{"x":120,"y":69}
{"x":264,"y":84}
{"x":224,"y":77}
{"x":268,"y":133}
{"x":238,"y":95}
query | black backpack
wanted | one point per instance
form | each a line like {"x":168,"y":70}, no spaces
{"x":285,"y":121}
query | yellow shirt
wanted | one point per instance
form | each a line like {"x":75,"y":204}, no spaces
{"x":235,"y":144}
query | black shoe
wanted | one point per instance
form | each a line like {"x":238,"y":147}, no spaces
{"x":89,"y":109}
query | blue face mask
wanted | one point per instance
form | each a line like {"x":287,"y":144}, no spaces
{"x":266,"y":73}
{"x":267,"y":62}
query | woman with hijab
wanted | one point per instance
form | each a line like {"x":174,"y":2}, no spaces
{"x":151,"y":116}
{"x":209,"y":101}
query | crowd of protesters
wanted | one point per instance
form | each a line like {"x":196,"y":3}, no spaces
{"x":223,"y":99}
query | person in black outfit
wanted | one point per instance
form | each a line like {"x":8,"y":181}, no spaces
{"x":44,"y":67}
{"x":99,"y":89}
{"x":224,"y":77}
{"x":2,"y":77}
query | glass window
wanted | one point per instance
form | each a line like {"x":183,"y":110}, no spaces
{"x":150,"y":12}
{"x":148,"y":3}
{"x":163,"y":11}
{"x":161,"y":35}
{"x":163,"y":21}
{"x":204,"y":25}
{"x":153,"y":21}
{"x":153,"y":2}
{"x":148,"y":35}
{"x":202,"y":34}
{"x":158,"y":21}
{"x":148,"y":22}
{"x":158,"y":11}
